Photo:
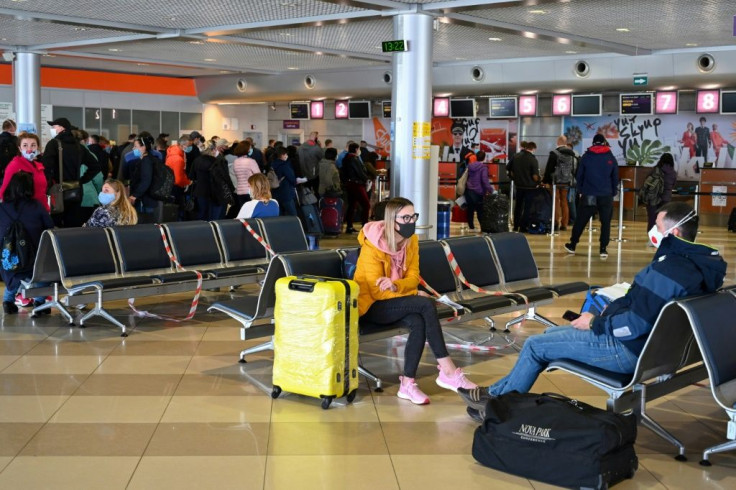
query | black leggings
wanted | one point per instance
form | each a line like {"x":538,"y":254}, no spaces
{"x":419,"y":314}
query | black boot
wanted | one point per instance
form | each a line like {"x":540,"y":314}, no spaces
{"x":9,"y":307}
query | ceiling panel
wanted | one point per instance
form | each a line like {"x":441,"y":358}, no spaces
{"x":238,"y":56}
{"x":454,"y":42}
{"x":183,"y":14}
{"x":59,"y":61}
{"x":652,"y":24}
{"x":26,"y":32}
{"x":357,"y":36}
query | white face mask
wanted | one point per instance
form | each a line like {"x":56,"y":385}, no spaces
{"x":53,"y":132}
{"x":656,"y":237}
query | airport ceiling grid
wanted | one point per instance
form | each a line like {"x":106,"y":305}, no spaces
{"x":190,"y":38}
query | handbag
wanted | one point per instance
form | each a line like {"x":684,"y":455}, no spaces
{"x":461,"y":182}
{"x":556,"y":440}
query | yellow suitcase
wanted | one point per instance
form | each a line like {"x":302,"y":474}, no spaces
{"x":316,"y":338}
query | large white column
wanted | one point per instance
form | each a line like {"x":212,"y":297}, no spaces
{"x":411,"y":100}
{"x":27,"y":84}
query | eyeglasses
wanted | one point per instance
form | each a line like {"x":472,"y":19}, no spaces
{"x":408,"y":218}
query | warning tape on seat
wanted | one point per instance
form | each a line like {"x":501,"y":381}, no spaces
{"x":179,"y":268}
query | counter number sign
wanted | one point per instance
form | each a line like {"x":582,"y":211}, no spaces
{"x":394,"y":46}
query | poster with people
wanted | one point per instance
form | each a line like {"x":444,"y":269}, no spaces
{"x":695,"y":140}
{"x":455,"y":137}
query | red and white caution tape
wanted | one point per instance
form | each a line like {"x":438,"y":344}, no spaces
{"x":437,"y":295}
{"x":461,"y":277}
{"x":258,"y":237}
{"x":179,"y":268}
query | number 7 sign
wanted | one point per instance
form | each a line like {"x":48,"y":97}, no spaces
{"x":665,"y":102}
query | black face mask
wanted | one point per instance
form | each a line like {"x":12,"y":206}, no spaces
{"x":406,"y":230}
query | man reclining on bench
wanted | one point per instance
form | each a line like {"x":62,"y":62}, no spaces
{"x":614,"y":340}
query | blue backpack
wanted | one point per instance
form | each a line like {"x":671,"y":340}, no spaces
{"x":350,"y":262}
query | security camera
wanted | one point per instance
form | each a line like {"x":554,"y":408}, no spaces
{"x":273,"y":106}
{"x":8,"y":56}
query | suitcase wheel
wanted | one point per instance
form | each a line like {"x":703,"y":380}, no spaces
{"x":275,"y":392}
{"x":326,"y":401}
{"x":351,"y":396}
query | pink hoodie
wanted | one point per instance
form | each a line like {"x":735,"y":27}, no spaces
{"x":374,"y":234}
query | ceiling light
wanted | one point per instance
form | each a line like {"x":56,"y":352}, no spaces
{"x":494,"y":38}
{"x":538,"y":12}
{"x":691,"y":45}
{"x":79,"y":29}
{"x":210,"y":59}
{"x":318,"y":53}
{"x":292,"y":68}
{"x":571,"y":52}
{"x":622,"y":29}
{"x":196,"y":42}
{"x":284,"y":34}
{"x":458,"y":58}
{"x":114,"y":50}
{"x":142,"y":64}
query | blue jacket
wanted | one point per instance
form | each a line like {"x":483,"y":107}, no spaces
{"x":597,"y":172}
{"x":679,"y":268}
{"x":286,"y":191}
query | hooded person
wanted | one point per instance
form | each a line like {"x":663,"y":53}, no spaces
{"x":387,"y":272}
{"x":597,"y":183}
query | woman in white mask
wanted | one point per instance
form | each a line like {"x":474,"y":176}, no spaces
{"x":27,"y":160}
{"x":115,"y":208}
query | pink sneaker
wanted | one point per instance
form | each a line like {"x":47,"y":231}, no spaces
{"x":20,"y":301}
{"x":455,"y":381}
{"x":410,"y":391}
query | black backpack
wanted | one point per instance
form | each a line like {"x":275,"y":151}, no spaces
{"x":18,"y":251}
{"x":564,"y":167}
{"x":162,"y":182}
{"x":653,"y":188}
{"x":8,"y":151}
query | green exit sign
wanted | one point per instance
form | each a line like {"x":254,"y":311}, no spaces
{"x":640,"y":81}
{"x":394,"y":46}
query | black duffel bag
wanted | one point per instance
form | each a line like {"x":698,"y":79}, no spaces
{"x":556,"y":440}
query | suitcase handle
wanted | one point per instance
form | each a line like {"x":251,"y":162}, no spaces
{"x":303,"y":286}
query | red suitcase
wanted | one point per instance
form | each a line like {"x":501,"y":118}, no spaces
{"x":331,"y":211}
{"x":459,"y":215}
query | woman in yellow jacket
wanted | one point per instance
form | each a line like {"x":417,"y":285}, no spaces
{"x":388,"y":274}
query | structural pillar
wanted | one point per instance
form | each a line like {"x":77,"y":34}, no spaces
{"x":411,"y":100}
{"x":27,"y":85}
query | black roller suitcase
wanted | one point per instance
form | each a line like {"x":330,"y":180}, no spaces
{"x":556,"y":440}
{"x":495,"y":216}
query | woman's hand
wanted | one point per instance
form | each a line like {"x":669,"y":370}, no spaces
{"x":385,"y":284}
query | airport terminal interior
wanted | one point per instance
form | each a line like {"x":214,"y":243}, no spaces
{"x":170,"y":406}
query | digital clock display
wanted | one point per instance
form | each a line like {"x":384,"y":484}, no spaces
{"x":394,"y":46}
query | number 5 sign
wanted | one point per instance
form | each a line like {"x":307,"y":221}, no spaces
{"x":528,"y":105}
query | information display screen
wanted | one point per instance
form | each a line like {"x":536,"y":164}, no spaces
{"x":386,"y":106}
{"x":728,"y":102}
{"x":637,"y":104}
{"x":666,"y":102}
{"x":708,"y":102}
{"x":586,"y":105}
{"x":561,"y":104}
{"x":359,"y":109}
{"x":299,"y":110}
{"x":462,"y":108}
{"x":502,"y":107}
{"x":341,"y":109}
{"x":528,"y":105}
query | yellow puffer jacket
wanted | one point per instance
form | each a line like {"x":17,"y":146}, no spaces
{"x":374,"y":263}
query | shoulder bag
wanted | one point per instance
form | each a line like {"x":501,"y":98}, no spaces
{"x":461,"y":183}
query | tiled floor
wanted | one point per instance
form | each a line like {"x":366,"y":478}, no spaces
{"x":170,"y":406}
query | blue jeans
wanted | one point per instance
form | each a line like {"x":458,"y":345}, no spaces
{"x":208,"y":210}
{"x":565,"y":342}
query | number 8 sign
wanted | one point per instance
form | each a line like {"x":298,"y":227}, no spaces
{"x":708,"y":102}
